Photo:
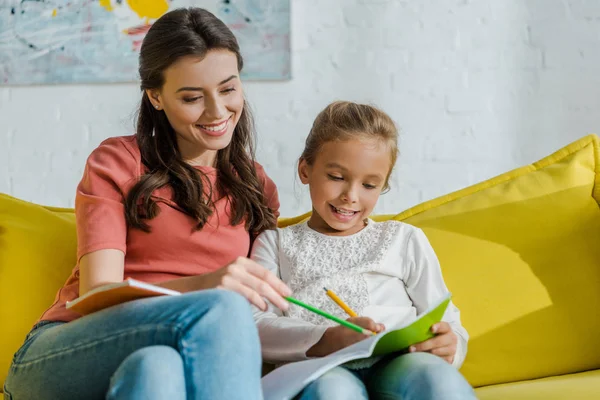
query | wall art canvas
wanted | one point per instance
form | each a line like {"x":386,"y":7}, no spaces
{"x":97,"y":41}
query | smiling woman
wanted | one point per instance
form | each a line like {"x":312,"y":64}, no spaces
{"x":201,"y":106}
{"x":177,"y":205}
{"x":188,"y":90}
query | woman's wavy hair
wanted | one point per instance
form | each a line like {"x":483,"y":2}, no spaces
{"x":181,"y":33}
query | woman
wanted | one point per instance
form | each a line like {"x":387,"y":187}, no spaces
{"x":176,"y":205}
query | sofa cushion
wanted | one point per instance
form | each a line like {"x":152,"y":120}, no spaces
{"x":580,"y":386}
{"x":521,"y":255}
{"x":37,"y":254}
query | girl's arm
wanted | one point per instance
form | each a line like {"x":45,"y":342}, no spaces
{"x":282,"y":338}
{"x":425,"y":286}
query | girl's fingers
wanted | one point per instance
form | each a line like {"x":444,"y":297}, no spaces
{"x":426,"y":345}
{"x":447,"y":351}
{"x":441,"y":340}
{"x":364,"y":322}
{"x":441,"y":328}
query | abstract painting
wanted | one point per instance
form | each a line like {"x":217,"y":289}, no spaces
{"x":98,"y":41}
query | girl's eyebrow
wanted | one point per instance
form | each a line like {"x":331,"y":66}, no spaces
{"x":199,"y":89}
{"x":336,"y":165}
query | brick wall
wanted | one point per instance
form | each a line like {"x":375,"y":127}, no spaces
{"x":478,"y":87}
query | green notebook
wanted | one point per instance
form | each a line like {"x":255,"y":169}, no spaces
{"x":287,"y":381}
{"x":419,"y":331}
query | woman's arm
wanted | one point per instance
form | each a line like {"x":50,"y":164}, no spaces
{"x":242,"y":276}
{"x":100,"y":214}
{"x":102,"y":235}
{"x":100,"y":268}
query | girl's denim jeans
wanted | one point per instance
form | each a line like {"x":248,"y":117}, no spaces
{"x":413,"y":376}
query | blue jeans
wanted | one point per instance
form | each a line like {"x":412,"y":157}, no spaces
{"x":413,"y":376}
{"x":200,"y":345}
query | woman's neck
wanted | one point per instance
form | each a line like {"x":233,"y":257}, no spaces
{"x":197,"y":157}
{"x":202,"y":161}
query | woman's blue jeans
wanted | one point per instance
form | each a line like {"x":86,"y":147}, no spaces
{"x":200,"y":345}
{"x":413,"y":376}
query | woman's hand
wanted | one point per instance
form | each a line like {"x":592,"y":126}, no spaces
{"x":339,"y":337}
{"x":442,"y":345}
{"x":252,"y":281}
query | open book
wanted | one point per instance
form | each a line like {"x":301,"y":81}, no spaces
{"x":115,"y":293}
{"x":287,"y":381}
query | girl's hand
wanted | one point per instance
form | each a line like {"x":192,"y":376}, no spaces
{"x":338,"y":337}
{"x":252,"y":281}
{"x":442,"y":345}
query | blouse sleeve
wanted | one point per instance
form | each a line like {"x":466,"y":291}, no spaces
{"x":282,"y":338}
{"x":99,"y":201}
{"x":425,"y":285}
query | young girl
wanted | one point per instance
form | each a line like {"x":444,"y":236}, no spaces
{"x":387,"y":272}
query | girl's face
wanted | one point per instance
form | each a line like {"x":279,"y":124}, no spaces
{"x":203,"y":100}
{"x":345,"y":182}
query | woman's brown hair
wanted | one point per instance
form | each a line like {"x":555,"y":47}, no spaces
{"x":182,"y":33}
{"x":345,"y":120}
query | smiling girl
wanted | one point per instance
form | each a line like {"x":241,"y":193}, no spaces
{"x":387,"y":272}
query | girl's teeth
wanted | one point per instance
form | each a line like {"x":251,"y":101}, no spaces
{"x":344,"y":212}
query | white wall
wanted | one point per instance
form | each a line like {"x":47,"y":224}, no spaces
{"x":478,"y":87}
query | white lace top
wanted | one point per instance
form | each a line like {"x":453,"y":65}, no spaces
{"x":388,"y":271}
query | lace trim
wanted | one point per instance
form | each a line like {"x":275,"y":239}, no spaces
{"x":336,"y":262}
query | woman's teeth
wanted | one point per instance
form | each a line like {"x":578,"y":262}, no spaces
{"x":215,"y":128}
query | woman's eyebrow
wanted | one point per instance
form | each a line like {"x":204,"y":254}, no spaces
{"x":199,"y":89}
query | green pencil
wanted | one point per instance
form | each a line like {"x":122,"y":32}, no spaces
{"x":331,"y":317}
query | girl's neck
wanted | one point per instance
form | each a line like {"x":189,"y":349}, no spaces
{"x":317,"y":224}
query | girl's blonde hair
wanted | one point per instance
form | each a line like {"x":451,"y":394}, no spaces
{"x":345,"y":120}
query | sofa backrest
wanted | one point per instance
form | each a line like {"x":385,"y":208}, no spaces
{"x":37,"y":254}
{"x":520,"y":253}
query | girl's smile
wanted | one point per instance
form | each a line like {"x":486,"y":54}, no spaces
{"x":345,"y":181}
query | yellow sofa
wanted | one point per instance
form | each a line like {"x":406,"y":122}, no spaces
{"x":520,"y":253}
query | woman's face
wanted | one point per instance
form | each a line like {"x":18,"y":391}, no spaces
{"x":203,"y":100}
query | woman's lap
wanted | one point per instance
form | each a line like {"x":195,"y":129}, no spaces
{"x":77,"y":359}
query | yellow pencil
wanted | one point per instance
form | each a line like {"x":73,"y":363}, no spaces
{"x":340,"y":303}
